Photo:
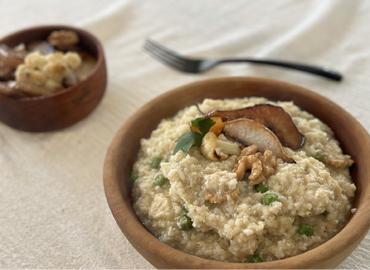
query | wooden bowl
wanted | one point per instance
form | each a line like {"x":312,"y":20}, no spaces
{"x":124,"y":148}
{"x":64,"y":108}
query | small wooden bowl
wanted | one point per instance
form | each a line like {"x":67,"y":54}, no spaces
{"x":64,"y":108}
{"x":123,"y":152}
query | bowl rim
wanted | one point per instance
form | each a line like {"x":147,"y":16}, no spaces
{"x":51,"y":27}
{"x":123,"y":212}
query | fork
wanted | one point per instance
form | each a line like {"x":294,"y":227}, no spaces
{"x":192,"y":65}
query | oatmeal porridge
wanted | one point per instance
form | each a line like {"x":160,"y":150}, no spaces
{"x":242,"y":180}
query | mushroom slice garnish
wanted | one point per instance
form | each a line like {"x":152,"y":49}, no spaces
{"x":273,"y":117}
{"x":249,"y":132}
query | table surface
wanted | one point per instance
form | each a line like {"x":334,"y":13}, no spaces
{"x":53,"y":209}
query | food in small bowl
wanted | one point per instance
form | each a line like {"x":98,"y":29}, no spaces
{"x":43,"y":67}
{"x":246,"y":179}
{"x":50,"y":77}
{"x":242,"y":180}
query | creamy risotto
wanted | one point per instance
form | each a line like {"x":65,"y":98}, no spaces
{"x":242,"y":185}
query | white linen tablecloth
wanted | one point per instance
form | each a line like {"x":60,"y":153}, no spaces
{"x":53,"y":212}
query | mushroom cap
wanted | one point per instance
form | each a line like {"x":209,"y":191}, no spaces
{"x":273,"y":117}
{"x":250,"y":132}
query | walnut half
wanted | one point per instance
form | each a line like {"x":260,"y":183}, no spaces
{"x":63,"y":39}
{"x":261,"y":165}
{"x":339,"y":163}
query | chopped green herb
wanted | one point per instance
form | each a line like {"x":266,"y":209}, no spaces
{"x":155,"y":162}
{"x":254,"y":259}
{"x":305,"y":229}
{"x":133,"y":177}
{"x":319,"y":156}
{"x":185,"y":223}
{"x":202,"y":124}
{"x":261,"y":188}
{"x":160,"y":180}
{"x":187,"y":140}
{"x":269,"y":198}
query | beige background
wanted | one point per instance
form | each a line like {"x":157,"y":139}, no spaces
{"x":53,"y":212}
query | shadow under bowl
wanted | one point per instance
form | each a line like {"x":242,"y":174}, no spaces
{"x":123,"y":151}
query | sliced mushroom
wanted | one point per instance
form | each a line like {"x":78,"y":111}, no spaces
{"x":339,"y":163}
{"x":273,"y":117}
{"x":42,"y":47}
{"x":249,"y":132}
{"x":9,"y":61}
{"x":9,"y":88}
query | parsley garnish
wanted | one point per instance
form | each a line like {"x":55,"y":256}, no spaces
{"x":305,"y":229}
{"x":187,"y":140}
{"x":200,"y":126}
{"x":319,"y":156}
{"x":254,"y":259}
{"x":185,"y":223}
{"x":155,"y":162}
{"x":261,"y":188}
{"x":269,"y":198}
{"x":160,"y":181}
{"x":133,"y":177}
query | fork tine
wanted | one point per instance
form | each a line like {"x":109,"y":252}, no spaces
{"x":161,"y":51}
{"x":166,"y":56}
{"x":168,"y":52}
{"x":164,"y":59}
{"x":193,"y":65}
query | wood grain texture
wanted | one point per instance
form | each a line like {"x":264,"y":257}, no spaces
{"x":122,"y":153}
{"x":64,"y":108}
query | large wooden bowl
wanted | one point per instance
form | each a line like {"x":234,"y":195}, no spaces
{"x":64,"y":108}
{"x":124,"y":148}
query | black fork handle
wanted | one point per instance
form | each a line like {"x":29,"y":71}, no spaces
{"x":327,"y":73}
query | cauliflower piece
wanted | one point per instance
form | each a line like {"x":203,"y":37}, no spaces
{"x":55,"y":57}
{"x":218,"y":148}
{"x":72,"y":59}
{"x":24,"y":73}
{"x":9,"y":60}
{"x":55,"y":71}
{"x":35,"y":60}
{"x":226,"y":146}
{"x":51,"y":84}
{"x":40,"y":74}
{"x":208,"y":146}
